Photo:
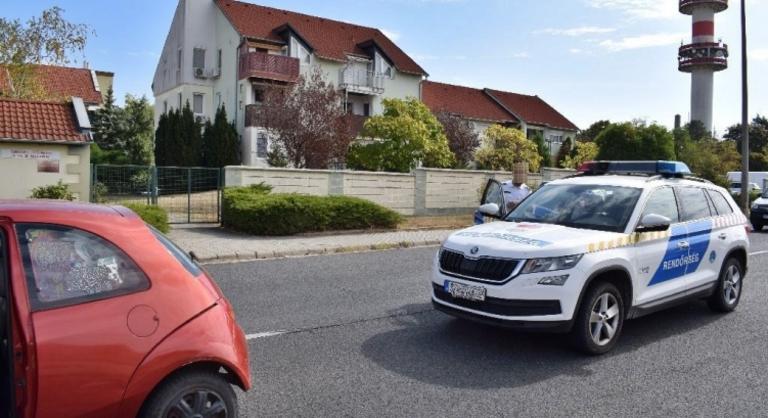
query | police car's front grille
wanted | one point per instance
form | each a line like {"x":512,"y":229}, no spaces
{"x":485,"y":268}
{"x":504,"y":307}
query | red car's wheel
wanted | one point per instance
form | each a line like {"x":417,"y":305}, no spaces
{"x":195,"y":394}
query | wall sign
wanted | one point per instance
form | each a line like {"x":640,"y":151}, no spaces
{"x":47,"y":161}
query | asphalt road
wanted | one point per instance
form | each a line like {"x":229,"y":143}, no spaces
{"x":355,"y":335}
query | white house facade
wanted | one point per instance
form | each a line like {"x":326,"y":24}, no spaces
{"x":225,"y":52}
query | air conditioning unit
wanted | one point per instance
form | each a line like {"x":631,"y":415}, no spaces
{"x":213,"y":73}
{"x":201,"y":119}
{"x":199,"y":72}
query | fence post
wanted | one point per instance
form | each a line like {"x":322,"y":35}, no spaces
{"x":93,"y":182}
{"x":220,"y":173}
{"x":189,"y":195}
{"x":153,"y":192}
{"x":149,"y":186}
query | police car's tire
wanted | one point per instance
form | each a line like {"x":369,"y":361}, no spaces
{"x":729,"y":287}
{"x":599,"y":319}
{"x":757,"y":227}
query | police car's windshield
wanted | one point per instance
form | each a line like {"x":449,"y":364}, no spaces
{"x":604,"y":208}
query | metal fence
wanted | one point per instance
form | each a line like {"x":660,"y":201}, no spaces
{"x":188,"y":194}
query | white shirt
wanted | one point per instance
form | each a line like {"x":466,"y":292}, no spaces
{"x":514,"y":194}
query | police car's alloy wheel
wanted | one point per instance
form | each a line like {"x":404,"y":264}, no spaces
{"x":728,"y":291}
{"x":599,"y":320}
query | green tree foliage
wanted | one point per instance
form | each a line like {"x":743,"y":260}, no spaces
{"x":221,"y":144}
{"x":628,"y":141}
{"x":583,"y":151}
{"x":589,"y":134}
{"x":108,"y":124}
{"x":697,"y":131}
{"x":58,"y":191}
{"x":565,"y":150}
{"x":178,"y":139}
{"x":543,"y":148}
{"x":503,"y":147}
{"x":138,"y":129}
{"x":49,"y":39}
{"x":758,"y":142}
{"x":707,"y":157}
{"x":406,"y":133}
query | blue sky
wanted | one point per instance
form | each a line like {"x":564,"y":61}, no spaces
{"x":591,"y":59}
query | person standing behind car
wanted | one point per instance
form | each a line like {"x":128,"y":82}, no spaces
{"x":516,"y":190}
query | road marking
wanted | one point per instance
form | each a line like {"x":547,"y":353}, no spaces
{"x":759,"y":253}
{"x":264,"y":334}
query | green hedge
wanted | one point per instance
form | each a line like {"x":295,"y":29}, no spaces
{"x":253,"y":211}
{"x":153,"y":215}
{"x":58,"y":191}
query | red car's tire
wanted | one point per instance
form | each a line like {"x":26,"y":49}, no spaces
{"x":205,"y":393}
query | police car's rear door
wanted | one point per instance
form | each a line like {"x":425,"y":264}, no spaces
{"x":658,"y":255}
{"x":697,"y":214}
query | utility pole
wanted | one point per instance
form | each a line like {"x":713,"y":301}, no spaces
{"x":744,"y":115}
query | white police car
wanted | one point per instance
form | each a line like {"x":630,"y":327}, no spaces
{"x":582,"y":254}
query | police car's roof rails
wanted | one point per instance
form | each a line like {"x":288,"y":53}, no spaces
{"x":661,"y":168}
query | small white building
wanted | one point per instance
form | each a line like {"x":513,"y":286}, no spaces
{"x":224,"y":53}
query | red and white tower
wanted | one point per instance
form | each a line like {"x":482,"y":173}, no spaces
{"x":703,"y":56}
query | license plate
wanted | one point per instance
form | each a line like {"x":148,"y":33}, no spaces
{"x":464,"y":291}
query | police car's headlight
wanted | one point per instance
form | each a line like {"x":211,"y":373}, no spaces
{"x":538,"y":265}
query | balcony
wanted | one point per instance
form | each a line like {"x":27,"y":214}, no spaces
{"x":268,"y":67}
{"x":355,"y":80}
{"x":702,"y":55}
{"x":687,"y":6}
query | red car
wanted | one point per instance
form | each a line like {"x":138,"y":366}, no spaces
{"x":102,"y":316}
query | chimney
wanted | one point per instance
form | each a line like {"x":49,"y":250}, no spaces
{"x":677,"y":121}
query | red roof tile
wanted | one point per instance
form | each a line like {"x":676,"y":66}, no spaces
{"x":62,"y":83}
{"x":22,"y":120}
{"x":532,"y":110}
{"x":329,"y":39}
{"x":465,"y":101}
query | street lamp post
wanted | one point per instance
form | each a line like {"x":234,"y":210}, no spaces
{"x":744,"y":115}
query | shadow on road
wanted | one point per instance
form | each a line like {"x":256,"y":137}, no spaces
{"x":436,"y":349}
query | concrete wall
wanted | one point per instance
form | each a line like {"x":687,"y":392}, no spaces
{"x":425,"y":191}
{"x":20,"y":176}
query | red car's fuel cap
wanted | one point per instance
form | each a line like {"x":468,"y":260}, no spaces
{"x":143,"y":321}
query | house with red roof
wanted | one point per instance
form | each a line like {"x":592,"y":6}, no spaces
{"x":42,"y":143}
{"x":62,"y":83}
{"x":224,"y":53}
{"x":485,"y":107}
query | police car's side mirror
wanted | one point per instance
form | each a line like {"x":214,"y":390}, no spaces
{"x":490,"y":209}
{"x":653,"y":223}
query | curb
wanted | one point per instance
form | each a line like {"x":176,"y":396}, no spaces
{"x":241,"y":257}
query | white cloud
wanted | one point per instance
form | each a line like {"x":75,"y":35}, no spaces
{"x":578,"y":31}
{"x":521,"y":55}
{"x":640,"y":9}
{"x":576,"y":51}
{"x":394,"y":36}
{"x":642,"y":41}
{"x":758,"y":54}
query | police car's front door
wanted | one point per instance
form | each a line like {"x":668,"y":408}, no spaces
{"x":698,"y":216}
{"x":660,"y":273}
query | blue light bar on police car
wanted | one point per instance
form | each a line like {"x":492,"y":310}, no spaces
{"x":667,"y":168}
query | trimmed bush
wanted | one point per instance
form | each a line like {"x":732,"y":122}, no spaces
{"x":153,"y":215}
{"x":58,"y":191}
{"x":251,"y":210}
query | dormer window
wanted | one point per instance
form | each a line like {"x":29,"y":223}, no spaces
{"x":299,"y":51}
{"x":383,"y":67}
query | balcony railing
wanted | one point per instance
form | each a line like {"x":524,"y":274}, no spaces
{"x":703,"y":55}
{"x":269,"y":67}
{"x":687,"y":6}
{"x":361,"y":81}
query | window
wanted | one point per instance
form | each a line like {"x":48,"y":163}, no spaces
{"x":366,"y":109}
{"x":258,"y":95}
{"x":720,"y":202}
{"x":693,"y":203}
{"x":178,"y":59}
{"x":299,"y":51}
{"x":198,"y":58}
{"x":197,"y":103}
{"x":180,"y":102}
{"x":66,"y":266}
{"x":165,"y":106}
{"x":177,"y":253}
{"x":218,"y":61}
{"x":261,"y":145}
{"x":218,"y":99}
{"x":662,"y":202}
{"x":350,"y":108}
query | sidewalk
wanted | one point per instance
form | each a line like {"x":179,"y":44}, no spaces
{"x":212,"y":244}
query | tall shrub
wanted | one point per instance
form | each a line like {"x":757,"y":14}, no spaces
{"x":221,"y":144}
{"x":503,"y":147}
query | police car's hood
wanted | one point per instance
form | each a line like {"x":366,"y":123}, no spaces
{"x":526,"y":240}
{"x":760,"y":201}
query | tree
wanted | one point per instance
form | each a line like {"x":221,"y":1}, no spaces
{"x":404,"y":135}
{"x":697,"y":131}
{"x":628,"y":141}
{"x":504,"y":147}
{"x":710,"y":158}
{"x":565,"y":150}
{"x":221,"y":145}
{"x":758,"y":142}
{"x":463,"y":140}
{"x":47,"y":39}
{"x":178,"y":139}
{"x":543,"y":148}
{"x":308,"y":121}
{"x":583,"y":151}
{"x":593,"y":131}
{"x":108,"y":124}
{"x":137,"y":133}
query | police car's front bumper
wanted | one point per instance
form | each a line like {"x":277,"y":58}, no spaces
{"x":548,"y":326}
